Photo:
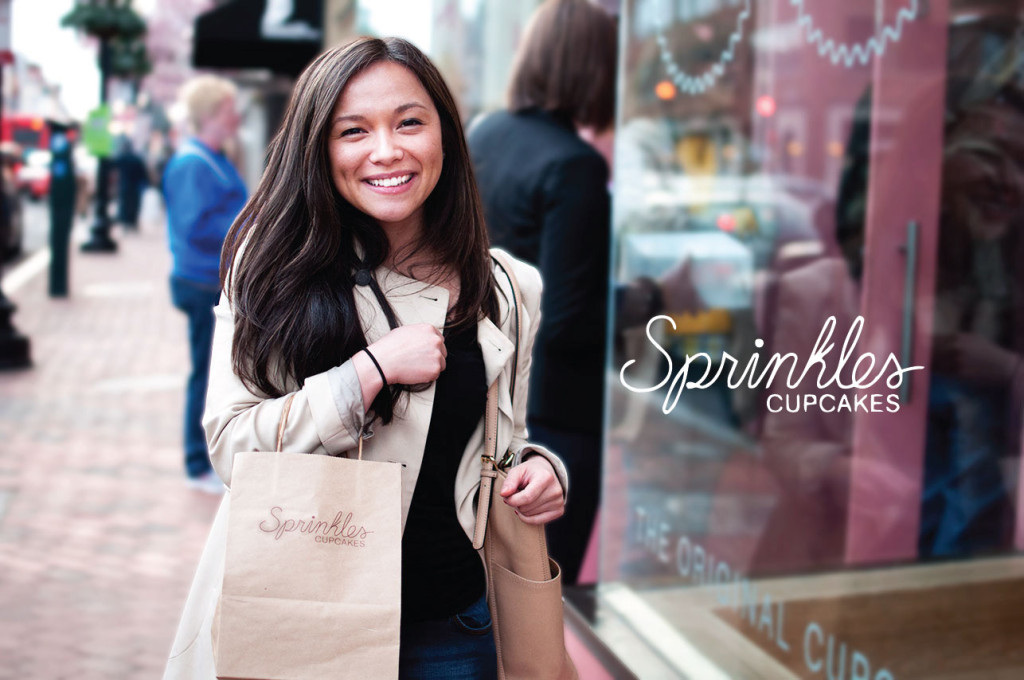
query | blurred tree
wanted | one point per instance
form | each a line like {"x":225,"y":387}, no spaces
{"x":119,"y":29}
{"x":105,"y":19}
{"x":128,"y":58}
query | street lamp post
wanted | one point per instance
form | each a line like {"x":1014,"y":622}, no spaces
{"x":99,"y":234}
{"x":106,"y":20}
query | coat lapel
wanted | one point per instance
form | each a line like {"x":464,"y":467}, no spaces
{"x":497,"y":351}
{"x":404,"y":441}
{"x":496,"y":348}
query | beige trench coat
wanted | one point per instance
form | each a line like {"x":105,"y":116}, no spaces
{"x":238,"y":420}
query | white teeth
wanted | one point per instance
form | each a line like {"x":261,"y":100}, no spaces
{"x":390,"y":181}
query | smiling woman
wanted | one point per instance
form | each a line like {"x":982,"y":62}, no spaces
{"x":359,"y":289}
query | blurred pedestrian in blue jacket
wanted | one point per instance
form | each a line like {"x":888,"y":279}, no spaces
{"x":545,"y":193}
{"x":204,"y":193}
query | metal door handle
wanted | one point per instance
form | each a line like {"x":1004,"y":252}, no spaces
{"x":909,"y":306}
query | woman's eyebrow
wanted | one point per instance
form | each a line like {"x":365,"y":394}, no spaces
{"x":357,"y":117}
{"x":411,"y":105}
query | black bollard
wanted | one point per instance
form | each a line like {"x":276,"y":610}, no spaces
{"x":14,"y":347}
{"x":62,"y":206}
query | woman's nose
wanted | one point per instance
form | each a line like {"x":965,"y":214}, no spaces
{"x":385,"y":149}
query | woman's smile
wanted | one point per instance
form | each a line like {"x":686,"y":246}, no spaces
{"x":391,"y":183}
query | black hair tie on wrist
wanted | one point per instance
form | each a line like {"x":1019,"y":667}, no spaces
{"x":375,"y":363}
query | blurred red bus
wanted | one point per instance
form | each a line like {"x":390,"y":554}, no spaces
{"x":31,"y":134}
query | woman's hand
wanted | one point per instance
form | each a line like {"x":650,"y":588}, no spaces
{"x":408,"y":355}
{"x":533,"y":490}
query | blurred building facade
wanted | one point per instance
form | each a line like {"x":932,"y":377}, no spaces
{"x":471,"y":41}
{"x":169,"y":43}
{"x":27,"y":92}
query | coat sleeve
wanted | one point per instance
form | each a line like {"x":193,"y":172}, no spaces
{"x":326,"y":414}
{"x":531,"y":285}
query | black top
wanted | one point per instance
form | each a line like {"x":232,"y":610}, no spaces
{"x":546,"y":200}
{"x":441,"y":572}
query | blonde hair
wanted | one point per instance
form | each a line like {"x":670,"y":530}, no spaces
{"x":203,"y":95}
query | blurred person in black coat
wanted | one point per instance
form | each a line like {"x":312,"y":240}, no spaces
{"x":132,"y":179}
{"x":545,"y":194}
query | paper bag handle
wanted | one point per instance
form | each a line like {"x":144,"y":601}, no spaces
{"x":284,"y":421}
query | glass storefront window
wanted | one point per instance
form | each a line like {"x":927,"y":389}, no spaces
{"x":815,"y":385}
{"x":472,"y":42}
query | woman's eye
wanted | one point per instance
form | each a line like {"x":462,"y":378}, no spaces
{"x":350,"y":131}
{"x":410,"y":121}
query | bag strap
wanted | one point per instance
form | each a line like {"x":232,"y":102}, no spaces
{"x":489,"y":461}
{"x":488,"y":471}
{"x":501,"y":259}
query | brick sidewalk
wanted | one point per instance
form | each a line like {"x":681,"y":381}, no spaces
{"x":99,"y":536}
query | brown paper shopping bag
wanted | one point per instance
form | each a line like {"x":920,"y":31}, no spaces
{"x":312,"y":578}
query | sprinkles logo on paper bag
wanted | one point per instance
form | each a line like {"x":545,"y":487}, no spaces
{"x":342,"y":531}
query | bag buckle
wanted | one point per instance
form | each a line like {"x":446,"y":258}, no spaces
{"x":506,"y":461}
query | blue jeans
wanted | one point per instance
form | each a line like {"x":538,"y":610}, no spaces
{"x":460,"y":647}
{"x":197,"y":301}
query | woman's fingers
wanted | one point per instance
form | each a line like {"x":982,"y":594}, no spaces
{"x":535,"y":495}
{"x":540,"y":508}
{"x":542,"y":518}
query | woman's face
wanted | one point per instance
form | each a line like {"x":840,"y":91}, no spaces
{"x":385,"y":146}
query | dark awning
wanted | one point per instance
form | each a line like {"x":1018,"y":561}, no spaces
{"x":280,"y":35}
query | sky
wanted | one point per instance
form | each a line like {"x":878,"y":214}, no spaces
{"x":64,"y":57}
{"x":409,"y":19}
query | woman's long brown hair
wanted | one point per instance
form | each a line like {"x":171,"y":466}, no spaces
{"x":289,"y":262}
